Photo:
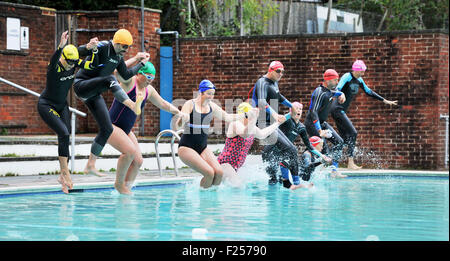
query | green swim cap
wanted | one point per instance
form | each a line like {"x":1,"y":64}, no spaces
{"x":148,"y":68}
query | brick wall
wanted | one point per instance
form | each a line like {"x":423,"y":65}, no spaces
{"x":409,"y":67}
{"x":25,"y":67}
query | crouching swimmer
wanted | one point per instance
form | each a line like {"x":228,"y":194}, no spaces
{"x":310,"y":161}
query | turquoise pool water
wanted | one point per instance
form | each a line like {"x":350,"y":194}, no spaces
{"x":356,"y":209}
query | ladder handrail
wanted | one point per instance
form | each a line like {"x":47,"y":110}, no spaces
{"x":38,"y":95}
{"x":175,"y":135}
{"x":73,"y":119}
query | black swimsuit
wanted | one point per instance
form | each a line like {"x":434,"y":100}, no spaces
{"x":195,"y":135}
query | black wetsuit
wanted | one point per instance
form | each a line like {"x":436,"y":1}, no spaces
{"x":52,"y":104}
{"x":89,"y":84}
{"x":316,"y":119}
{"x":292,"y":130}
{"x":195,"y":135}
{"x":265,"y":95}
{"x":350,"y":86}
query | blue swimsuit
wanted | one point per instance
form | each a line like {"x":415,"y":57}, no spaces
{"x":122,"y":116}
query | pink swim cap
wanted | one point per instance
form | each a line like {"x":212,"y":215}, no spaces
{"x":296,"y":104}
{"x":359,"y":65}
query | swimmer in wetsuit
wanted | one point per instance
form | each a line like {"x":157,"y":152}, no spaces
{"x":266,"y":96}
{"x":309,"y":159}
{"x":89,"y":85}
{"x":349,"y":84}
{"x":240,"y":135}
{"x":317,"y":115}
{"x":52,"y":104}
{"x":123,"y":119}
{"x":293,"y":128}
{"x":193,"y":147}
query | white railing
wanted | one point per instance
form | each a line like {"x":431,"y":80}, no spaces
{"x":175,"y":134}
{"x":446,"y":138}
{"x":73,"y":123}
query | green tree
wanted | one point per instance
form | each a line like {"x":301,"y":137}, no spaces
{"x":403,"y":14}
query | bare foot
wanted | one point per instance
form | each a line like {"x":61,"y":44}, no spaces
{"x":335,"y":174}
{"x":122,"y":189}
{"x":294,"y":187}
{"x":94,"y":171}
{"x":353,"y":166}
{"x":64,"y":186}
{"x":65,"y":174}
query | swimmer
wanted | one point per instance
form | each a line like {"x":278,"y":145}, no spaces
{"x":90,"y":84}
{"x":240,"y":135}
{"x":266,"y":94}
{"x":52,"y":104}
{"x":350,"y":84}
{"x":193,"y":147}
{"x":317,"y":115}
{"x":123,"y":119}
{"x":293,"y":128}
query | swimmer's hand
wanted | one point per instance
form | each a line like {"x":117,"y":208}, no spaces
{"x":341,"y":99}
{"x":326,"y":158}
{"x":92,"y":45}
{"x":325,"y":134}
{"x":138,"y":103}
{"x":184,"y":117}
{"x":390,"y":102}
{"x":64,"y":38}
{"x":280,"y":118}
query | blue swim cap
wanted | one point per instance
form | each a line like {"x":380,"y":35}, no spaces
{"x":206,"y":85}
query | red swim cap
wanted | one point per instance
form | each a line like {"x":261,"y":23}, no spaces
{"x":330,"y":74}
{"x":275,"y":65}
{"x":314,"y":140}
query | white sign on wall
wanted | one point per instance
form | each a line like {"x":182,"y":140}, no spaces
{"x":13,"y":34}
{"x":24,"y":38}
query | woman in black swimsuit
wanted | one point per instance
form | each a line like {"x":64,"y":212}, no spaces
{"x":192,"y":148}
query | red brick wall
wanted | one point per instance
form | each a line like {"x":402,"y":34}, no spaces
{"x":25,"y":67}
{"x":409,"y":67}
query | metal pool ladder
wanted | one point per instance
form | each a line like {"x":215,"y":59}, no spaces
{"x":175,"y":135}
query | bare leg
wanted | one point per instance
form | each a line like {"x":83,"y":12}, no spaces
{"x":230,"y":175}
{"x":90,"y":166}
{"x":64,"y":178}
{"x":191,"y":158}
{"x":133,"y":170}
{"x":120,"y":141}
{"x":337,"y":174}
{"x":352,"y":165}
{"x":211,"y":159}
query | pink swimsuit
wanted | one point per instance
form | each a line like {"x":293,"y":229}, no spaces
{"x":235,"y":151}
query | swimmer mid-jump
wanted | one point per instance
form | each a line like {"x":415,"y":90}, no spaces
{"x":52,"y":104}
{"x":317,"y":115}
{"x":240,"y":135}
{"x":123,"y":119}
{"x":193,"y":147}
{"x":293,"y":128}
{"x":350,"y":84}
{"x":266,"y":94}
{"x":90,"y":84}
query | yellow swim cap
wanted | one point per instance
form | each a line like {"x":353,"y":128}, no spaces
{"x":123,"y":36}
{"x":244,"y":107}
{"x":70,"y":52}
